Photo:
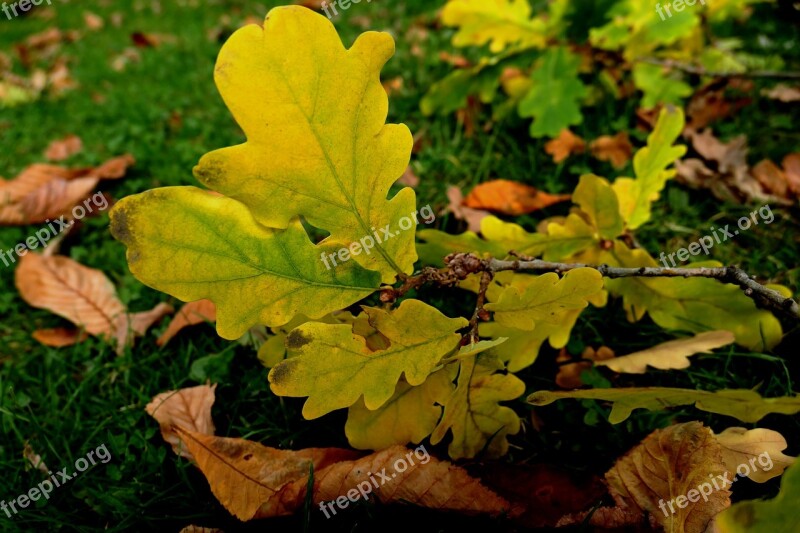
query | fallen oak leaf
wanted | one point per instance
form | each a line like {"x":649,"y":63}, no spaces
{"x":82,"y":295}
{"x":60,"y":337}
{"x":783,"y":93}
{"x":742,"y":447}
{"x":65,"y":148}
{"x":617,"y":150}
{"x":253,"y":481}
{"x":569,"y":374}
{"x":190,"y":314}
{"x":565,"y":145}
{"x":188,"y":408}
{"x":511,"y":198}
{"x":671,"y":355}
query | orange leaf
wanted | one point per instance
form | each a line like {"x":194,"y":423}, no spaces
{"x":617,"y":149}
{"x":188,"y":408}
{"x":60,"y":337}
{"x":565,"y":145}
{"x":511,"y":198}
{"x":64,"y":148}
{"x":190,"y":314}
{"x":471,"y":216}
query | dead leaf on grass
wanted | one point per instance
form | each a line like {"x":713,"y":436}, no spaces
{"x":192,"y":313}
{"x":511,"y":198}
{"x":565,"y":145}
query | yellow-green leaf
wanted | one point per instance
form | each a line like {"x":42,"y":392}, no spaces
{"x":473,"y":413}
{"x":546,"y":298}
{"x":778,"y":515}
{"x":317,"y":144}
{"x":598,"y":200}
{"x":409,"y":416}
{"x":746,"y":405}
{"x":499,"y":22}
{"x":193,"y":245}
{"x":334,"y":366}
{"x":650,"y":165}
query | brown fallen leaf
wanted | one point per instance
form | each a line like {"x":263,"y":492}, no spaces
{"x":456,"y":61}
{"x":150,"y":40}
{"x":565,"y":145}
{"x":42,"y":192}
{"x":675,"y":477}
{"x":128,"y":56}
{"x":82,"y":295}
{"x":393,"y":85}
{"x":60,"y":337}
{"x":781,"y":182}
{"x":511,"y":198}
{"x":192,"y":313}
{"x":669,"y":355}
{"x":754,"y":448}
{"x":409,"y":178}
{"x":569,"y":374}
{"x":188,"y":408}
{"x":791,"y":166}
{"x":717,"y":100}
{"x":199,"y":529}
{"x":64,"y":148}
{"x":617,"y":150}
{"x":783,"y":93}
{"x":723,"y":169}
{"x":92,"y":21}
{"x":469,"y":215}
{"x":34,"y":459}
{"x":254,"y":481}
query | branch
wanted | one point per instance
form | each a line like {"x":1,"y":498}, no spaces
{"x":700,"y":71}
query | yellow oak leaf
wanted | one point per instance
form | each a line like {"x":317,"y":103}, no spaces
{"x":498,"y":22}
{"x":409,"y":416}
{"x":473,"y":414}
{"x":317,"y":145}
{"x":668,"y":355}
{"x":759,"y":450}
{"x":597,"y":199}
{"x":746,"y":405}
{"x":334,"y":366}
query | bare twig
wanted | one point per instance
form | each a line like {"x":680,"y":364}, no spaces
{"x":700,"y":71}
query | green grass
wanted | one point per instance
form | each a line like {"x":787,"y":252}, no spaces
{"x":165,"y":111}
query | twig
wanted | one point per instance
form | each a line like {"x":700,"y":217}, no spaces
{"x":700,"y":71}
{"x":480,"y":313}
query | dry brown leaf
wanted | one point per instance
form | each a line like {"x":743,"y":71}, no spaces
{"x":511,"y":198}
{"x":393,"y":85}
{"x":82,"y":295}
{"x":129,"y":55}
{"x":150,"y":40}
{"x":34,"y":459}
{"x":565,"y":145}
{"x":188,"y":408}
{"x":783,"y":92}
{"x":254,"y":481}
{"x":60,"y":337}
{"x":669,"y":355}
{"x":791,"y":166}
{"x":408,"y":178}
{"x":771,"y":178}
{"x":618,"y":149}
{"x":669,"y":465}
{"x":710,"y":103}
{"x":92,"y":21}
{"x":199,"y":529}
{"x":569,"y":374}
{"x":731,"y":180}
{"x":192,"y":313}
{"x":64,"y":148}
{"x":469,"y":215}
{"x":754,"y":448}
{"x":455,"y":60}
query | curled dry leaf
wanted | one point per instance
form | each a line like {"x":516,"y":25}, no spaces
{"x":783,"y":92}
{"x":60,"y":337}
{"x":669,"y":355}
{"x":188,"y":408}
{"x":254,"y":481}
{"x":759,"y":449}
{"x":65,"y":148}
{"x":511,"y":198}
{"x":82,"y":295}
{"x":565,"y":145}
{"x":617,"y":150}
{"x":663,"y":474}
{"x":782,"y":182}
{"x":43,"y":192}
{"x":190,"y":314}
{"x":472,"y":217}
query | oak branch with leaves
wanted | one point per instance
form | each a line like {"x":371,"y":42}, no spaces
{"x":318,"y":147}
